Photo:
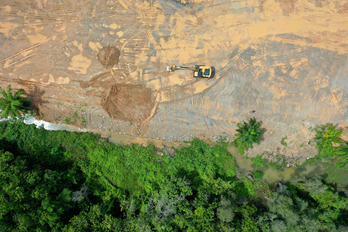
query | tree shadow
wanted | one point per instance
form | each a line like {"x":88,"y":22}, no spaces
{"x":35,"y":95}
{"x":262,"y":138}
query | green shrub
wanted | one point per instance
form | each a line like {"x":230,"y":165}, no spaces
{"x":276,"y":164}
{"x":258,"y":161}
{"x":330,"y":145}
{"x":325,"y":136}
{"x":343,"y":151}
{"x":258,"y":175}
{"x":67,"y":120}
{"x":204,"y":165}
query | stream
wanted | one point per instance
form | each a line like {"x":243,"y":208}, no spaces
{"x":272,"y":174}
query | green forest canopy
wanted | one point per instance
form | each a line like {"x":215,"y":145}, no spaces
{"x":68,"y":181}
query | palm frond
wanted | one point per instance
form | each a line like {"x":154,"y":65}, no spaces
{"x":9,"y":93}
{"x":248,"y":133}
{"x":17,"y":113}
{"x":3,"y":93}
{"x":19,"y":92}
{"x":2,"y":103}
{"x":17,"y":103}
{"x":5,"y":111}
{"x":12,"y":105}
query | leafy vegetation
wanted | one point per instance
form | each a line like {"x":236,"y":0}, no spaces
{"x":279,"y":164}
{"x":13,"y":105}
{"x":343,"y":159}
{"x":258,"y":175}
{"x":248,"y":133}
{"x":37,"y":196}
{"x":283,"y":141}
{"x":259,"y":161}
{"x":326,"y":137}
{"x":73,"y":114}
{"x":64,"y":181}
{"x":67,"y":120}
{"x":330,"y":146}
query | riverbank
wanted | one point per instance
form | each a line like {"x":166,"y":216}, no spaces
{"x":271,"y":174}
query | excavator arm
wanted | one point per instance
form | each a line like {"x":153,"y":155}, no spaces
{"x":173,"y":68}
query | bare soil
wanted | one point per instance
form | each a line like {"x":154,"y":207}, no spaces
{"x":101,"y":65}
{"x":109,"y":56}
{"x":132,"y":103}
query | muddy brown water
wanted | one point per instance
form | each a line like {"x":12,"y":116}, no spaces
{"x":271,"y":174}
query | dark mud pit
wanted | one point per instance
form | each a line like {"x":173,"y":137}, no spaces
{"x":131,"y":103}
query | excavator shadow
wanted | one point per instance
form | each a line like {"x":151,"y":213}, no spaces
{"x":212,"y":73}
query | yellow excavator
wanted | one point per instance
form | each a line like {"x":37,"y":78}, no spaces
{"x":199,"y":71}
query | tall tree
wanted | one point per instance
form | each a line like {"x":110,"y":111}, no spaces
{"x":13,"y":105}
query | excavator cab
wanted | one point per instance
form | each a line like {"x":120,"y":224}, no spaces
{"x":202,"y":71}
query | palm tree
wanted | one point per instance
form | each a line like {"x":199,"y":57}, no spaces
{"x":12,"y":105}
{"x":248,"y":133}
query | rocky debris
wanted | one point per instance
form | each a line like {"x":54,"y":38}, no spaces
{"x":168,"y":151}
{"x":281,"y":161}
{"x":242,"y":173}
{"x":276,"y":157}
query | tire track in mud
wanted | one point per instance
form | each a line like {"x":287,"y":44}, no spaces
{"x":154,"y":108}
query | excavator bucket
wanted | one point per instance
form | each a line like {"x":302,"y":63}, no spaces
{"x":169,"y":69}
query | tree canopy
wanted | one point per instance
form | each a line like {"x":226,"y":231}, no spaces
{"x":68,"y":181}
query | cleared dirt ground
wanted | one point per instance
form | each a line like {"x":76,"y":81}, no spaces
{"x":287,"y":60}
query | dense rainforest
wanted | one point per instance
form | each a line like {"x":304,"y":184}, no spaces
{"x":69,"y":181}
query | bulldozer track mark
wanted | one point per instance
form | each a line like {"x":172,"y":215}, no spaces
{"x":11,"y":60}
{"x":123,"y":4}
{"x":151,"y":38}
{"x":225,"y":70}
{"x":27,"y":49}
{"x":132,"y":38}
{"x":15,"y":62}
{"x":154,"y":109}
{"x":25,"y":82}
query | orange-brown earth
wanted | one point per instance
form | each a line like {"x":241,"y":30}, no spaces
{"x":101,"y":64}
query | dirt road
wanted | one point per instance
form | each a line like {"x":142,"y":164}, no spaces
{"x":287,"y":60}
